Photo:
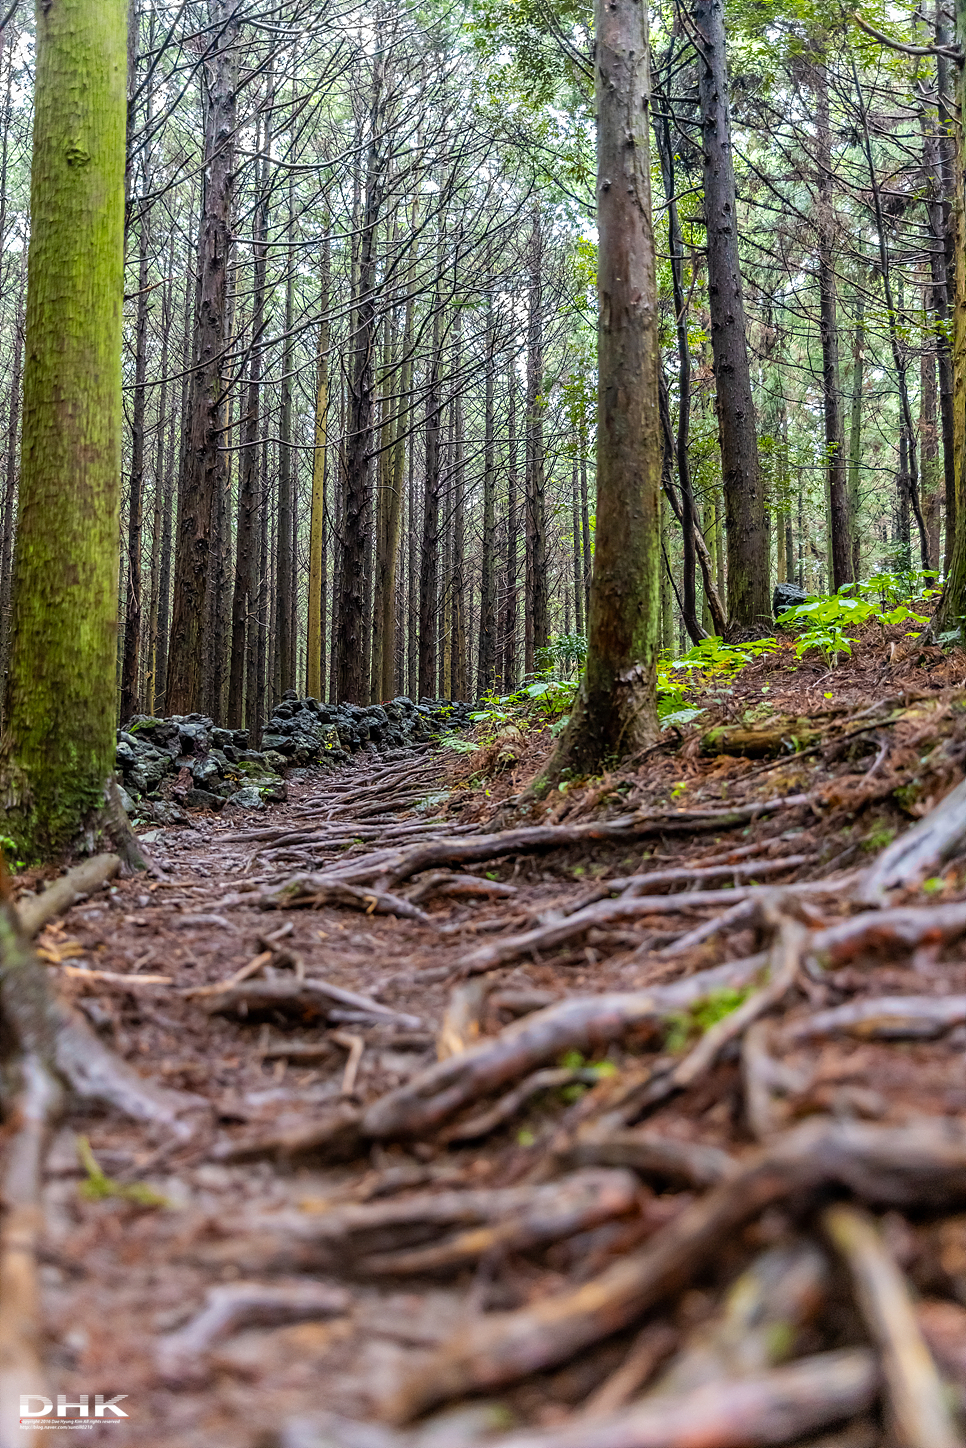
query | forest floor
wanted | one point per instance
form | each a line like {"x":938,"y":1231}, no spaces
{"x":350,"y":1228}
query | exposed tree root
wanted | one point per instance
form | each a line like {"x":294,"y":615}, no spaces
{"x":917,"y":1402}
{"x":81,"y":880}
{"x":921,"y":1165}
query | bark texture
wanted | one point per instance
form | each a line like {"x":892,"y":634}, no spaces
{"x":58,"y":750}
{"x":749,"y":603}
{"x":616,"y":712}
{"x":190,"y":651}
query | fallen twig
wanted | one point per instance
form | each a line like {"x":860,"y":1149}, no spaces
{"x":355,"y":1045}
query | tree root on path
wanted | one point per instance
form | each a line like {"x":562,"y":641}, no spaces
{"x":919,"y":1411}
{"x":312,"y":891}
{"x":83,"y":879}
{"x":920,"y":1165}
{"x":303,"y":999}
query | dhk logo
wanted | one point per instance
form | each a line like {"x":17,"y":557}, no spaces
{"x":101,"y":1408}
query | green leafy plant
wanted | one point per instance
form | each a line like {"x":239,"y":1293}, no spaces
{"x":564,"y":655}
{"x":822,"y":622}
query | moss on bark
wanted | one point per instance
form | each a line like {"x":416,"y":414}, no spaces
{"x":58,"y":749}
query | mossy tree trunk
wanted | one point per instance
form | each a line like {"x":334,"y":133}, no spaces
{"x":615,"y":714}
{"x":58,"y":749}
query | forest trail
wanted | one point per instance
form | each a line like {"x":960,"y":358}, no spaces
{"x":413,"y":1120}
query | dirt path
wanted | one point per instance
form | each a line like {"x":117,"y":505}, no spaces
{"x":278,"y":1282}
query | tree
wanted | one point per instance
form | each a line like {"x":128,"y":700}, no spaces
{"x":616,"y":712}
{"x":190,"y":669}
{"x":952,"y":605}
{"x":749,"y":604}
{"x":57,"y":754}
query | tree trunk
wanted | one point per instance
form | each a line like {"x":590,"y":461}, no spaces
{"x":486,"y":659}
{"x":615,"y":714}
{"x":429,"y":552}
{"x":841,"y":542}
{"x":459,"y":680}
{"x":893,"y":308}
{"x":944,"y":264}
{"x":855,"y":435}
{"x":932,"y":490}
{"x":285,"y":536}
{"x":338,"y":491}
{"x":191,"y":652}
{"x":687,"y":512}
{"x":256,"y":683}
{"x":160,"y":488}
{"x":578,"y":561}
{"x":246,"y":527}
{"x":353,"y":675}
{"x":536,"y":621}
{"x":749,"y":603}
{"x":58,"y":748}
{"x":512,"y":542}
{"x":387,"y":515}
{"x":10,"y":482}
{"x":315,"y":633}
{"x":398,"y":484}
{"x":132,"y":614}
{"x":412,"y":594}
{"x":585,"y":516}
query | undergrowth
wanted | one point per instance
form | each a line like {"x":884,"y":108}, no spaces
{"x":822,"y":624}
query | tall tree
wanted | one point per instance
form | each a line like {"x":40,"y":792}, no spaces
{"x":486,"y":662}
{"x":536,"y":621}
{"x":841,"y":540}
{"x":353,"y":675}
{"x":57,"y":754}
{"x":315,"y":631}
{"x":616,"y":709}
{"x":749,"y":604}
{"x":191,"y":663}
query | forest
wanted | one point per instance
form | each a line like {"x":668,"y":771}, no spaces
{"x":483,"y":723}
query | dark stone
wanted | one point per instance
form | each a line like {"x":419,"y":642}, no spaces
{"x":787,"y":595}
{"x":202,"y":799}
{"x":274,"y":741}
{"x":193,"y":737}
